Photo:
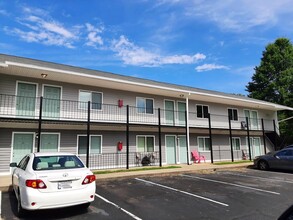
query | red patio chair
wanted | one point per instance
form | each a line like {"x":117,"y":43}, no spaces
{"x":197,"y":157}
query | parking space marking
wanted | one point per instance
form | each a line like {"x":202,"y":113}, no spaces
{"x":187,"y":193}
{"x":258,"y":177}
{"x":118,"y":207}
{"x":231,"y":184}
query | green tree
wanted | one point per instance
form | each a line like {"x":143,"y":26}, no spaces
{"x":273,"y":80}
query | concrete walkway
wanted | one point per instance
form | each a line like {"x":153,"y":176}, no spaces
{"x":5,"y":181}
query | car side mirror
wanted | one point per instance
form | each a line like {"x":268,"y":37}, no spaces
{"x":13,"y":164}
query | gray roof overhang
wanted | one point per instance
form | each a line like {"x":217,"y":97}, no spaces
{"x":63,"y":73}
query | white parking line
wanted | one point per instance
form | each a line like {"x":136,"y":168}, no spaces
{"x":231,"y":184}
{"x":118,"y":207}
{"x":187,"y":193}
{"x":258,"y":177}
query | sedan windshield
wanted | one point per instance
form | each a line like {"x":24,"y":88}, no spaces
{"x":56,"y":162}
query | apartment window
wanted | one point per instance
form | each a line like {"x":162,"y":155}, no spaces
{"x":203,"y":144}
{"x":94,"y":97}
{"x":145,"y":143}
{"x":202,"y":111}
{"x":145,"y":105}
{"x":95,"y":144}
{"x":236,"y":143}
{"x":233,"y":114}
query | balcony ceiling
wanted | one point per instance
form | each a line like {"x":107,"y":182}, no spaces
{"x":107,"y":80}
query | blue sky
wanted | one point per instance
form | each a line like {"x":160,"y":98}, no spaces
{"x":206,"y":44}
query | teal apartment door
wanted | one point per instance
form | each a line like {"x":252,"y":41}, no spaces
{"x":49,"y":142}
{"x":51,"y":102}
{"x":26,"y":99}
{"x":22,"y":144}
{"x":183,"y":148}
{"x":256,"y":147}
{"x":181,"y":113}
{"x":169,"y":112}
{"x":171,"y":149}
{"x":252,"y":119}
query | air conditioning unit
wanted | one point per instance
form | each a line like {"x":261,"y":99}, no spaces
{"x":243,"y":125}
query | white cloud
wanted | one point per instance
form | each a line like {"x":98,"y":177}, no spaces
{"x":93,"y":37}
{"x":39,"y":27}
{"x":238,"y":15}
{"x":36,"y":25}
{"x":208,"y":67}
{"x":138,"y":56}
{"x":246,"y":71}
{"x":46,"y":38}
{"x":4,"y":12}
{"x":57,"y":29}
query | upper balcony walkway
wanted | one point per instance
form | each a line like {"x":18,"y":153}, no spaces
{"x":66,"y":111}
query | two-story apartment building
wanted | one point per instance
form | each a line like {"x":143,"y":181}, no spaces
{"x":112,"y":121}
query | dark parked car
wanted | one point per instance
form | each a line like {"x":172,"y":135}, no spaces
{"x":282,"y":159}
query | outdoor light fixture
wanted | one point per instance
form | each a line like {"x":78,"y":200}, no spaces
{"x":44,"y":75}
{"x":181,"y":95}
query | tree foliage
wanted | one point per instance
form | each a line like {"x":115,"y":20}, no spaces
{"x":273,"y":79}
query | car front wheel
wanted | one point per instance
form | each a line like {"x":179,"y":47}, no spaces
{"x":263,"y":165}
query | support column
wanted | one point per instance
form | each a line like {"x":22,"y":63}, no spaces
{"x":210,"y":134}
{"x":275,"y":131}
{"x":264,"y":136}
{"x":40,"y":124}
{"x":231,"y":142}
{"x":160,"y":136}
{"x":88,"y":133}
{"x":248,"y":138}
{"x":187,"y":131}
{"x":127,"y":137}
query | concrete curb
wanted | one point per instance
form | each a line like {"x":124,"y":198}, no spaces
{"x":5,"y":184}
{"x":166,"y":172}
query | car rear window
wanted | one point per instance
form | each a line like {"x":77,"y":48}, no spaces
{"x":56,"y":162}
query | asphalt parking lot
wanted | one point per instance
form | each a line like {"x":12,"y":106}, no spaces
{"x":222,"y":194}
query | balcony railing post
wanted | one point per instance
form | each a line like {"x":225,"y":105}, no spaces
{"x":275,"y":133}
{"x":248,"y":138}
{"x":210,"y":134}
{"x":40,"y":124}
{"x":231,"y":141}
{"x":160,"y":136}
{"x":88,"y":133}
{"x":263,"y":135}
{"x":127,"y":137}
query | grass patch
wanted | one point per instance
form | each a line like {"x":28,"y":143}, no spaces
{"x":136,"y":169}
{"x":229,"y":162}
